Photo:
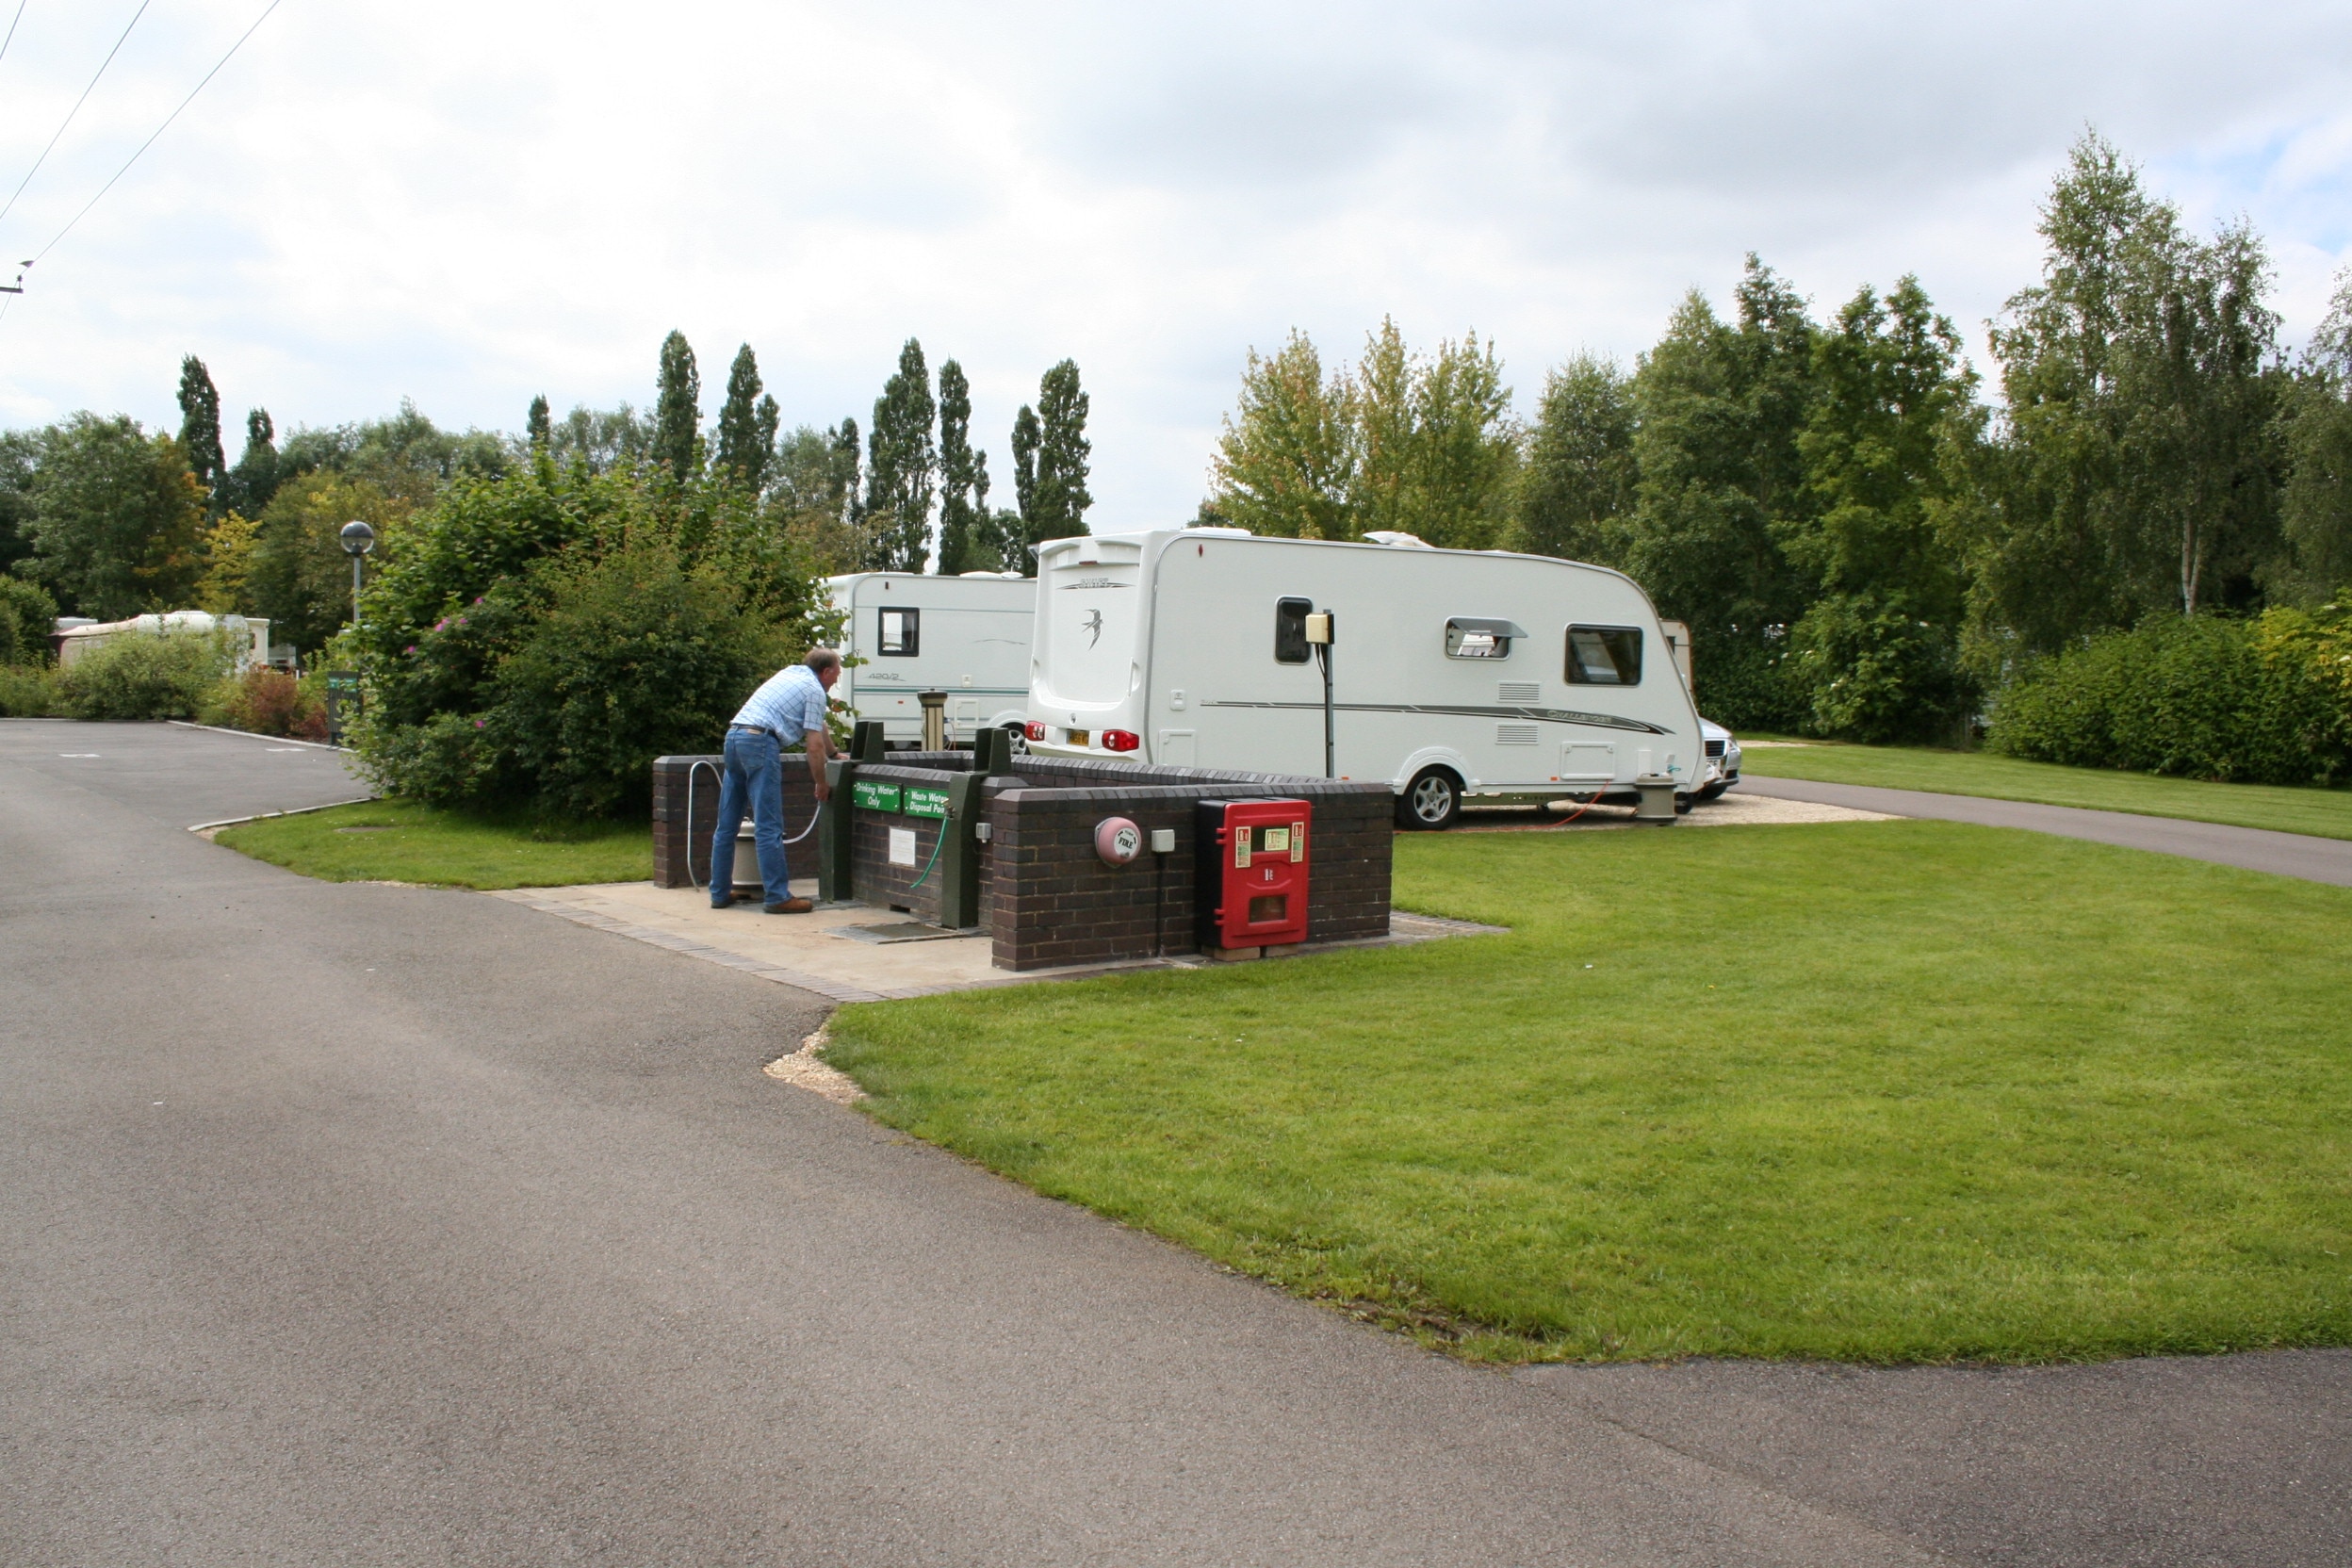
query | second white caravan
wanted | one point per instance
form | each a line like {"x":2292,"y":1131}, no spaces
{"x":1456,"y":673}
{"x":910,"y":634}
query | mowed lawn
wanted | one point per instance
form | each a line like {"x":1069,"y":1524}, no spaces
{"x":2326,"y":813}
{"x":1891,"y":1092}
{"x":401,"y":840}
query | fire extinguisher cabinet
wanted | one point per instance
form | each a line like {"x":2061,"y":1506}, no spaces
{"x":1255,"y":858}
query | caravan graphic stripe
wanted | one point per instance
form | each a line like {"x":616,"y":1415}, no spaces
{"x":1541,"y":715}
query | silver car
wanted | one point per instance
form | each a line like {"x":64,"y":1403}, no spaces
{"x":1722,"y":770}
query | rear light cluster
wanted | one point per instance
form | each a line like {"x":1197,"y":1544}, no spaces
{"x":1120,"y":740}
{"x":1035,"y":730}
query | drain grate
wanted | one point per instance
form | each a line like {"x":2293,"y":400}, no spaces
{"x":898,"y":931}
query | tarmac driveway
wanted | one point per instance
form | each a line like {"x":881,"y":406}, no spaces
{"x":384,"y":1225}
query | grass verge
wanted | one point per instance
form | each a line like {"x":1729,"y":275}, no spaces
{"x":400,"y":841}
{"x":1903,"y":1091}
{"x":2326,"y":814}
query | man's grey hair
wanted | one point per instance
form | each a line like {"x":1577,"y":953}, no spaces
{"x":822,"y":659}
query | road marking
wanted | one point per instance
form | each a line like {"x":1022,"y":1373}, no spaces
{"x":77,"y":754}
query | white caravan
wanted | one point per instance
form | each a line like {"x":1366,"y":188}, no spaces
{"x":1483,"y":674}
{"x":966,"y":636}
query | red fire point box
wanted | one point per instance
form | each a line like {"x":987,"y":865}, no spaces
{"x":1253,"y":872}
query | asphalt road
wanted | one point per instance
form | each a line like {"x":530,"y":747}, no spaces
{"x":361,"y":1224}
{"x":2300,"y":854}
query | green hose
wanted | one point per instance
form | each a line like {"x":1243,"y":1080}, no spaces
{"x":937,"y":845}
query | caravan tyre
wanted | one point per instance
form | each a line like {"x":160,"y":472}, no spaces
{"x":1430,"y":802}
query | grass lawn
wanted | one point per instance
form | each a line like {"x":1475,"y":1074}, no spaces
{"x":1893,"y":1091}
{"x":400,"y":841}
{"x":2326,"y":814}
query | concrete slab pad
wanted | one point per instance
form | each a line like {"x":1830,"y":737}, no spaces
{"x":810,"y":951}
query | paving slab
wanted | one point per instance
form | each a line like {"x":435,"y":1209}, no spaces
{"x":1734,"y":810}
{"x":833,"y":950}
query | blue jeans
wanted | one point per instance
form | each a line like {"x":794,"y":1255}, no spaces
{"x":751,"y":780}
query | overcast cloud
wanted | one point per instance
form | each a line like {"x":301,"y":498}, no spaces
{"x":466,"y":204}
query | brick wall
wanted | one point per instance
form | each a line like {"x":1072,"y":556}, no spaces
{"x":681,"y":850}
{"x":1046,"y":898}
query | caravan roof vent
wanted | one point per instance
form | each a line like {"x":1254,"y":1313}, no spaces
{"x":1221,"y":529}
{"x":1400,"y":541}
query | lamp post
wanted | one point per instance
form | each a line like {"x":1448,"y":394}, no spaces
{"x":358,"y":539}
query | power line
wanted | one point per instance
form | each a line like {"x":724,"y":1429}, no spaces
{"x":160,"y":129}
{"x":77,"y":102}
{"x":12,"y":22}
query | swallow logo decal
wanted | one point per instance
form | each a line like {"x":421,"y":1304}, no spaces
{"x":1094,"y":628}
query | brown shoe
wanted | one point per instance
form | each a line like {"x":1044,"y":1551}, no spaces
{"x":790,"y":907}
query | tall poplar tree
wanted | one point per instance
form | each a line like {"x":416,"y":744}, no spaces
{"x":902,"y":468}
{"x":1062,"y":497}
{"x":200,"y":432}
{"x":678,"y":407}
{"x":255,"y":479}
{"x":1013,"y":532}
{"x":743,"y":456}
{"x":539,"y":424}
{"x":964,"y":546}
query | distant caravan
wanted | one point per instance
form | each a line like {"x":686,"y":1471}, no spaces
{"x":966,"y":636}
{"x":1456,"y":675}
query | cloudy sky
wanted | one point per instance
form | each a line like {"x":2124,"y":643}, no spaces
{"x":468,"y":204}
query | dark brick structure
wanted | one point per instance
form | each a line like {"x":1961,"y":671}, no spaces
{"x":1046,"y":898}
{"x":681,"y":852}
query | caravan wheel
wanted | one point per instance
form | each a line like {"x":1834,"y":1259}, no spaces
{"x":1430,"y":802}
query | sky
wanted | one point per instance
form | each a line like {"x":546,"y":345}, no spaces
{"x":465,"y":204}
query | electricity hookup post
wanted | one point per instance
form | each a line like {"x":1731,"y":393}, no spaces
{"x":1322,"y":631}
{"x":343,"y":687}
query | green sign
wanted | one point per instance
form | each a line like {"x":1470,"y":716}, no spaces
{"x":873,"y":797}
{"x":921,"y":802}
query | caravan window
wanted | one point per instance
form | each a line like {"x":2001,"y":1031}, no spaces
{"x":1604,"y":656}
{"x":1477,"y":637}
{"x":1290,"y":631}
{"x":902,"y":633}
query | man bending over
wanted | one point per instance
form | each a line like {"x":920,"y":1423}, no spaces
{"x":788,"y":707}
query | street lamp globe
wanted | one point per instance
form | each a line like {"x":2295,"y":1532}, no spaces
{"x":358,"y":539}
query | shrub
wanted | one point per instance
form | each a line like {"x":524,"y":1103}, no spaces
{"x":27,"y":691}
{"x":141,"y":675}
{"x":1745,"y":685}
{"x":27,"y":614}
{"x":2204,"y":696}
{"x":1869,"y":669}
{"x":268,"y":702}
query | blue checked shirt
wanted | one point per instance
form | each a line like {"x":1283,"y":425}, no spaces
{"x":789,"y":704}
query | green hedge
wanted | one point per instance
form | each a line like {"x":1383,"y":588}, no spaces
{"x":2250,"y":701}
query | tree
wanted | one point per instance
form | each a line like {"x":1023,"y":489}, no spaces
{"x":20,"y":462}
{"x":1579,"y":478}
{"x":200,"y":432}
{"x":1061,"y":496}
{"x":296,"y":573}
{"x":901,"y":468}
{"x":406,"y":456}
{"x":1435,"y":448}
{"x":254,"y":478}
{"x":743,"y":450}
{"x":1718,"y":407}
{"x":963,"y":545}
{"x":599,"y":439}
{"x":2134,"y":468}
{"x":118,"y":518}
{"x":2316,"y":504}
{"x":1287,"y":462}
{"x":812,"y":491}
{"x":538,"y":428}
{"x":1017,"y":540}
{"x":678,"y":409}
